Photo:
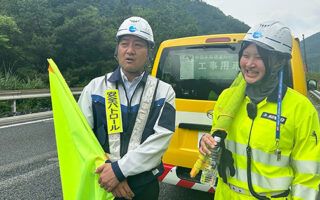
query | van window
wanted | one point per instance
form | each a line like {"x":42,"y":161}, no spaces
{"x":199,"y":72}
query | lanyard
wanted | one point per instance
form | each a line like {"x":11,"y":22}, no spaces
{"x":278,"y":119}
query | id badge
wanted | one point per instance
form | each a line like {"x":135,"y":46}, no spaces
{"x":113,"y":111}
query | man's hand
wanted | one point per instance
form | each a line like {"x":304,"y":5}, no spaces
{"x":123,"y":190}
{"x":107,"y":179}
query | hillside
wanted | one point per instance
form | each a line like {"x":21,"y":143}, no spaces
{"x":209,"y":19}
{"x":80,"y":34}
{"x":312,"y":51}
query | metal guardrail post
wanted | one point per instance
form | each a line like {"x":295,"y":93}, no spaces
{"x":14,"y":106}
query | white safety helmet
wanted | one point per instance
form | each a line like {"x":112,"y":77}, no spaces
{"x":271,"y":35}
{"x":136,"y":26}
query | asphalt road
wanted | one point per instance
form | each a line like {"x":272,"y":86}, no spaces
{"x":29,"y":166}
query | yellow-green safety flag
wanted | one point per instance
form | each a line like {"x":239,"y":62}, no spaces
{"x":79,"y":151}
{"x":230,"y":106}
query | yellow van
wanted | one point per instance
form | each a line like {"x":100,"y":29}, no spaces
{"x":199,"y":68}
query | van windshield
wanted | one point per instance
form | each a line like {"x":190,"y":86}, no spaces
{"x":199,"y":72}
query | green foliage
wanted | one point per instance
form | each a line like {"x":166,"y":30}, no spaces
{"x":5,"y":107}
{"x":313,"y":62}
{"x":8,"y":26}
{"x":4,"y":42}
{"x":84,"y":39}
{"x":169,"y":12}
{"x":312,"y":44}
{"x":10,"y":81}
{"x":80,"y":34}
{"x":10,"y":50}
{"x":24,"y":105}
{"x":313,"y":75}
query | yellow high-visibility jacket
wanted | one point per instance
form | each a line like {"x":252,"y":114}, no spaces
{"x":299,"y":167}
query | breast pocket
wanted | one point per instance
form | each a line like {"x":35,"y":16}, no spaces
{"x":264,"y":135}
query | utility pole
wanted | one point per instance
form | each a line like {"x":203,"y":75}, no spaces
{"x":305,"y":54}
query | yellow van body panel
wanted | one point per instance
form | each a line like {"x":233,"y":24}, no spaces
{"x":183,"y":149}
{"x":194,"y":105}
{"x":298,"y":73}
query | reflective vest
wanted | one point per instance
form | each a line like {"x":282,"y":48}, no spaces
{"x":299,"y":167}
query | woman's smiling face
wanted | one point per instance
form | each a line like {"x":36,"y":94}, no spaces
{"x":251,"y":64}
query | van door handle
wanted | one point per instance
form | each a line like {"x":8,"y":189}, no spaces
{"x":200,"y":127}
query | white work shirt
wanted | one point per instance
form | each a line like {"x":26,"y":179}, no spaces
{"x":130,"y":86}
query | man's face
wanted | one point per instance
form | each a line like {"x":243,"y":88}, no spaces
{"x":132,"y":55}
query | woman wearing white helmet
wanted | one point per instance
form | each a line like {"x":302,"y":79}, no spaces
{"x":273,"y":136}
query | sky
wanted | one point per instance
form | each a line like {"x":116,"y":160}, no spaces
{"x":301,"y":16}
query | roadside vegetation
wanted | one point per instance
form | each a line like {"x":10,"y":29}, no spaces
{"x":9,"y":81}
{"x":80,"y":37}
{"x":312,"y":52}
{"x":313,"y":75}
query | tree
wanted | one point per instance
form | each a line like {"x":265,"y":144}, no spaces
{"x":82,"y":41}
{"x":9,"y":43}
{"x":80,"y":34}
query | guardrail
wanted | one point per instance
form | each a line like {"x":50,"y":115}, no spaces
{"x":14,"y":95}
{"x":315,"y":93}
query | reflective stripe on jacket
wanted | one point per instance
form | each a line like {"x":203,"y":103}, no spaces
{"x":142,"y":164}
{"x":299,"y":167}
{"x":223,"y":192}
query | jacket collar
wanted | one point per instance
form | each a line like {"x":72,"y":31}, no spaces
{"x":274,"y":95}
{"x":116,"y":76}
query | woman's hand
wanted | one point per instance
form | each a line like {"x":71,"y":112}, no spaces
{"x":206,"y":142}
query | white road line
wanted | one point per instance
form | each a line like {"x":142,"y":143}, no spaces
{"x":24,"y":123}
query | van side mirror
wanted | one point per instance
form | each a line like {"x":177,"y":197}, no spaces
{"x":312,"y":84}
